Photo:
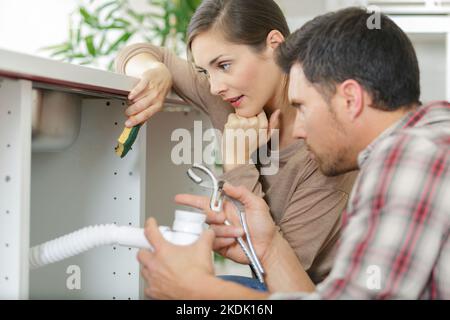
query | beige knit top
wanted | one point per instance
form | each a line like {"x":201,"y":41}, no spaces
{"x":305,"y":204}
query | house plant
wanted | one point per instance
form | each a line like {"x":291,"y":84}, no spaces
{"x":99,"y":28}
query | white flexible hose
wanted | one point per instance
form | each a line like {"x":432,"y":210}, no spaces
{"x":187,"y":227}
{"x":86,"y":239}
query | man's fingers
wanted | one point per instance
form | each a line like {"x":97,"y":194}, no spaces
{"x":225,"y":231}
{"x":153,"y":234}
{"x":230,"y":213}
{"x":239,"y":193}
{"x":222,"y":243}
{"x":202,"y":203}
{"x":145,"y":273}
{"x":194,"y":201}
{"x":215,"y":217}
{"x":206,"y":239}
{"x":144,"y":257}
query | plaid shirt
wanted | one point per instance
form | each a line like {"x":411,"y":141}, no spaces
{"x":395,"y":242}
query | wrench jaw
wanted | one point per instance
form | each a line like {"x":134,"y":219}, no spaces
{"x":217,"y":197}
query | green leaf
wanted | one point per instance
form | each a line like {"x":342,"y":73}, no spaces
{"x":71,"y":34}
{"x":76,"y":56}
{"x":55,"y":47}
{"x":156,"y":15}
{"x":89,"y":40}
{"x":122,"y":39}
{"x":85,"y":14}
{"x":78,"y":38}
{"x":88,"y":18}
{"x":103,"y":6}
{"x":158,"y":3}
{"x":85,"y":62}
{"x":112,"y":27}
{"x":123,"y":21}
{"x":60,"y":52}
{"x":139,"y":17}
{"x":102,"y":43}
{"x":193,"y":4}
{"x":110,"y":14}
{"x":111,"y":65}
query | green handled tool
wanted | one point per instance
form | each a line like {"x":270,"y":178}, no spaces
{"x":126,"y":140}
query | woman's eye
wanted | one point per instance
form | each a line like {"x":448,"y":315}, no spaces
{"x":297,"y":106}
{"x":202,"y":71}
{"x":225,"y":66}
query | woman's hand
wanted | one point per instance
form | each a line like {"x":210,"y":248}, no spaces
{"x":147,"y":97}
{"x":261,"y":226}
{"x":243,"y":136}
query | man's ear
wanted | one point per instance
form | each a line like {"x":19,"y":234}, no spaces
{"x":353,"y":94}
{"x":274,"y":39}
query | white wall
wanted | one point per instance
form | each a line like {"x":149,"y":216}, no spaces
{"x":431,"y":48}
{"x":28,"y":25}
{"x":300,"y":11}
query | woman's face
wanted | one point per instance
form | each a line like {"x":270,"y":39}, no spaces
{"x":245,"y":79}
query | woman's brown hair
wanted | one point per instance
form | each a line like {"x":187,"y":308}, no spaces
{"x":240,"y":21}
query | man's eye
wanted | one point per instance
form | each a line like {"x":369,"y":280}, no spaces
{"x":202,"y":71}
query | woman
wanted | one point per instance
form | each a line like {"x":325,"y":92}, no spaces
{"x":231,"y":44}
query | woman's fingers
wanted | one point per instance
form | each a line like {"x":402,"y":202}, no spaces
{"x":151,"y":87}
{"x":232,"y":117}
{"x":141,"y":104}
{"x":253,"y":122}
{"x":262,"y":120}
{"x":147,"y":98}
{"x":274,"y":122}
{"x":144,"y":115}
{"x":141,"y":86}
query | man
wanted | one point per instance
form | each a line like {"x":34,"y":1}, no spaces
{"x":357,"y":93}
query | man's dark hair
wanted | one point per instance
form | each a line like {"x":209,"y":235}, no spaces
{"x":339,"y":46}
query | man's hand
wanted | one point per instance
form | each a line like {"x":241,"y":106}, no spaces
{"x":243,"y":136}
{"x":175,"y":272}
{"x":261,"y":226}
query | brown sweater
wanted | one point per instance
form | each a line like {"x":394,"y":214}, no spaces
{"x":305,"y":204}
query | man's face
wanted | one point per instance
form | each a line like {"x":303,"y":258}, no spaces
{"x":318,"y":123}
